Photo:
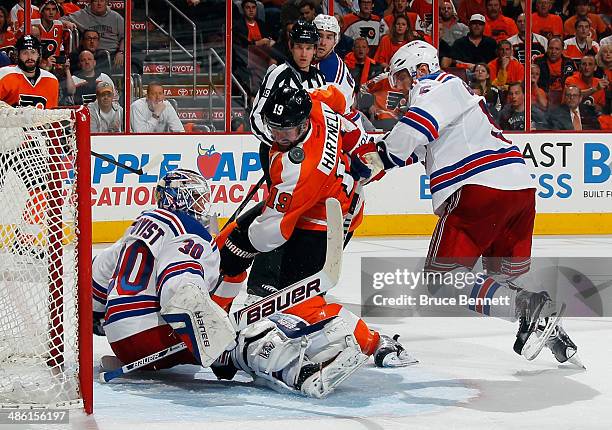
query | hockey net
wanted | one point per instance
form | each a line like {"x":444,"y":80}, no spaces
{"x":45,"y":258}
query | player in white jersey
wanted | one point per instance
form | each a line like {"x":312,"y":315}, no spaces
{"x":331,"y":65}
{"x":152,"y":289}
{"x":480,"y":187}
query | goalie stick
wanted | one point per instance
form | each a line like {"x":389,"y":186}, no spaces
{"x":290,"y":296}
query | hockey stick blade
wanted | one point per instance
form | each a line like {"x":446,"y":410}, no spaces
{"x":309,"y":287}
{"x":295,"y":294}
{"x":112,"y":374}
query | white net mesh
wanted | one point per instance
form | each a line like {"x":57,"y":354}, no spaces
{"x":38,"y":259}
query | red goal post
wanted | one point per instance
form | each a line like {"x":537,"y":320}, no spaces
{"x":45,"y":259}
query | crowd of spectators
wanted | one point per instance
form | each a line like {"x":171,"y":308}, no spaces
{"x":481,"y":41}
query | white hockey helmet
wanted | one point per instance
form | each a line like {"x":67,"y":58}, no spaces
{"x":410,"y":57}
{"x":328,"y":23}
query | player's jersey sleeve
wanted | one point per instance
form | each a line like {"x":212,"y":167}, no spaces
{"x":337,"y":74}
{"x":434,"y":104}
{"x":102,"y":271}
{"x":332,"y":96}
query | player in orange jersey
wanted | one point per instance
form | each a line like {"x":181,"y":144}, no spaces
{"x":26,"y":84}
{"x":307,"y":166}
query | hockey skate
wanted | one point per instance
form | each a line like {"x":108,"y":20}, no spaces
{"x":563,"y":348}
{"x":391,"y":353}
{"x":538,"y":319}
{"x":318,"y":380}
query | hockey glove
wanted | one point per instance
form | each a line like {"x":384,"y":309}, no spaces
{"x":237,"y":253}
{"x":370,"y":161}
{"x":391,"y":353}
{"x":98,"y":324}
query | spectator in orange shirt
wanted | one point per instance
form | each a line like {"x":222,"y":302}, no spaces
{"x":505,"y":68}
{"x":582,"y":12}
{"x":468,"y":8}
{"x":582,"y":44}
{"x":390,"y":43}
{"x":67,"y":7}
{"x":424,"y":9}
{"x":545,"y":23}
{"x":592,"y":89}
{"x":400,"y":7}
{"x":361,"y":67}
{"x":538,"y":95}
{"x":7,"y":37}
{"x":498,"y":26}
{"x":554,"y":67}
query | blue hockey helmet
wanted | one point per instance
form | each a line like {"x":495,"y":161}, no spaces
{"x":184,"y":190}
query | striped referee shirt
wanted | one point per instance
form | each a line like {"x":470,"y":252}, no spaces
{"x":276,"y":77}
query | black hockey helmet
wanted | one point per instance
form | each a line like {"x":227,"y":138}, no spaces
{"x":304,"y":32}
{"x":27,"y":41}
{"x":286,"y":113}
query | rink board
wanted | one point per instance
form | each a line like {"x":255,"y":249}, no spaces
{"x":571,"y":172}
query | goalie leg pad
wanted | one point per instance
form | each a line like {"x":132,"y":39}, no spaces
{"x":200,"y":322}
{"x":329,"y":375}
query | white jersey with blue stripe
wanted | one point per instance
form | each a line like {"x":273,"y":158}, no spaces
{"x":336,"y":73}
{"x":462,"y":143}
{"x":159,"y":249}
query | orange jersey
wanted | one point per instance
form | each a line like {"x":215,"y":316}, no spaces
{"x":515,"y":72}
{"x":386,"y":98}
{"x":500,"y":28}
{"x":386,"y":49}
{"x":18,"y":16}
{"x":8,"y":39}
{"x":573,"y":51}
{"x":17,"y":90}
{"x":51,"y":39}
{"x":548,"y":26}
{"x":412,"y":19}
{"x":300,"y":188}
{"x":598,"y":26}
{"x":599,"y":97}
{"x":69,"y":8}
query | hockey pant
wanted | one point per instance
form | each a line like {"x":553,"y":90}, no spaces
{"x":496,"y":225}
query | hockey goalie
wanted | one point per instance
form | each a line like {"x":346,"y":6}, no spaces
{"x":152,"y":290}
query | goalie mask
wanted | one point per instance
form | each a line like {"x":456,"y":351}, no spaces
{"x":286,"y":114}
{"x":184,"y":190}
{"x":410,"y":56}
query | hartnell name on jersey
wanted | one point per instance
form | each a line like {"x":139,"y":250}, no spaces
{"x":332,"y":126}
{"x":284,"y":301}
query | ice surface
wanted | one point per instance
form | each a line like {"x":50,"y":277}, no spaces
{"x":468,"y":378}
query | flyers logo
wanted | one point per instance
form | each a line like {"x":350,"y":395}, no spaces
{"x":367,"y":32}
{"x":393,"y":99}
{"x":38,"y":102}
